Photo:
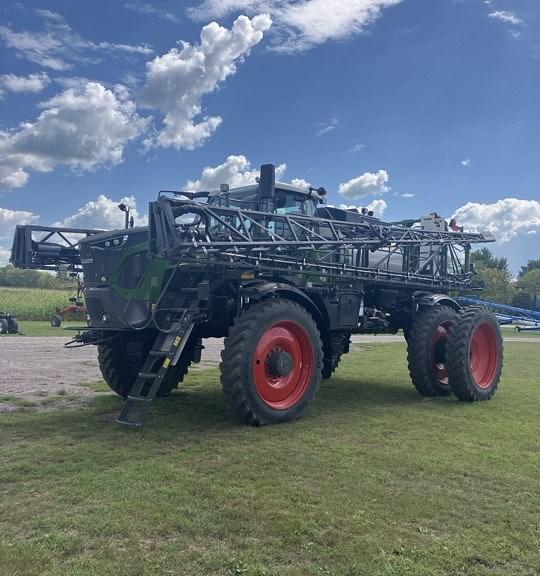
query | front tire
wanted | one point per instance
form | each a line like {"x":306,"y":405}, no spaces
{"x":426,"y":350}
{"x":121,"y":359}
{"x":271,"y":362}
{"x":475,"y":355}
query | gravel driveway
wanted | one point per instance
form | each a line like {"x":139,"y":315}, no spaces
{"x":33,"y":368}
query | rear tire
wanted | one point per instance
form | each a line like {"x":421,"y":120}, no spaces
{"x":271,"y":362}
{"x":3,"y":326}
{"x":475,"y":355}
{"x":121,"y":359}
{"x":426,"y":350}
{"x":338,"y":346}
{"x":56,"y":321}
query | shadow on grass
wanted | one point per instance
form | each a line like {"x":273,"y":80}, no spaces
{"x":195,"y":422}
{"x":201,"y":409}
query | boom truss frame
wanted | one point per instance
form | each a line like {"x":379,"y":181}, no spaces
{"x":190,"y":232}
{"x":48,"y":247}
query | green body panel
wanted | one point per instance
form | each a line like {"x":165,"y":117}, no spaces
{"x":149,"y":288}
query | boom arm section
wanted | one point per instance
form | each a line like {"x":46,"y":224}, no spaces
{"x":278,"y":243}
{"x":48,"y":247}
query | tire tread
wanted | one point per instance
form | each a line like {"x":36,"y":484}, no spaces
{"x":237,"y":345}
{"x":461,"y":380}
{"x":419,"y":350}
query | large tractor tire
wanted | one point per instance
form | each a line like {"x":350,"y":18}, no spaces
{"x":338,"y":346}
{"x":475,"y":355}
{"x":4,"y":327}
{"x":272,"y":362}
{"x":426,"y":350}
{"x":121,"y":359}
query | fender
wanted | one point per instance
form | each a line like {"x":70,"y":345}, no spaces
{"x":262,"y":290}
{"x":422,"y":299}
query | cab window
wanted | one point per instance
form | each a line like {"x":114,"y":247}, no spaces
{"x":291,"y":203}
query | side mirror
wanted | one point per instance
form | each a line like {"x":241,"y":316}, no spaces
{"x":125,"y":209}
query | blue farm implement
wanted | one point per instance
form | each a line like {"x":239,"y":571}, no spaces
{"x":522,"y":318}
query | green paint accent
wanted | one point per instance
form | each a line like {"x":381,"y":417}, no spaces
{"x":150,"y":287}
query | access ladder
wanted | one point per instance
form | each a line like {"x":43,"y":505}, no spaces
{"x":169,"y":346}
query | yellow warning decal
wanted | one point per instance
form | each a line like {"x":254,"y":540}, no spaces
{"x":166,"y":362}
{"x":177,"y":341}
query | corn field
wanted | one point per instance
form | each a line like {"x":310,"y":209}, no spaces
{"x":33,"y":303}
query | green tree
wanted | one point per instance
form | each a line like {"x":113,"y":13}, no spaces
{"x":523,"y":299}
{"x":16,"y":278}
{"x":495,"y":275}
{"x":532,"y":264}
{"x":484,"y":258}
{"x":498,"y":285}
{"x":529,"y":284}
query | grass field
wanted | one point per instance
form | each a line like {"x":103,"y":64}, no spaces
{"x":33,"y":303}
{"x":373,"y":481}
{"x":44,"y":328}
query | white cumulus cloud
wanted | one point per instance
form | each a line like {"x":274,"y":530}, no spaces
{"x":302,"y":24}
{"x":32,"y":83}
{"x":103,"y":213}
{"x":236,"y":171}
{"x":10,"y":218}
{"x":378,"y":207}
{"x":83,"y":128}
{"x":505,"y":219}
{"x":300,"y":182}
{"x":177,"y":81}
{"x":313,"y":22}
{"x":368,"y":183}
{"x":5,"y":253}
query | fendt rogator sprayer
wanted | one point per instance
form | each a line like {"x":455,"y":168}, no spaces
{"x":286,"y":280}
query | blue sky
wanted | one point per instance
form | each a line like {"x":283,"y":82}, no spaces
{"x":405,"y":105}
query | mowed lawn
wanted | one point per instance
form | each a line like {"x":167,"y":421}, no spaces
{"x":375,"y":480}
{"x":44,"y":328}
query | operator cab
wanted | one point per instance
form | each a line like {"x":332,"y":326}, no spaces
{"x":287,"y":199}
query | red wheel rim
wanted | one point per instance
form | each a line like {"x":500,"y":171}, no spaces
{"x":484,"y":355}
{"x":283,"y":391}
{"x":438,"y":352}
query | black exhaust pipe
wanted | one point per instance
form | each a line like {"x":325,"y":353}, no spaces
{"x":267,"y":182}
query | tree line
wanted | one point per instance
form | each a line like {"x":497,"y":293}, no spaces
{"x":16,"y":278}
{"x":522,"y":291}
